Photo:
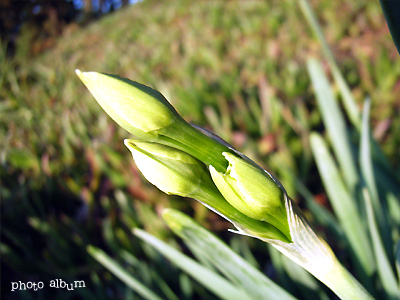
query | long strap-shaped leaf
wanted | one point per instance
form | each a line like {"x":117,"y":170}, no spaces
{"x":256,"y":284}
{"x":343,"y":205}
{"x":209,"y":279}
{"x":349,"y":102}
{"x":118,"y":271}
{"x":367,"y":171}
{"x":334,"y":123}
{"x":385,"y":270}
{"x":397,"y":258}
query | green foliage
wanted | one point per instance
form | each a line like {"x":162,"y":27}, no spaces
{"x":240,"y":69}
{"x":371,"y":239}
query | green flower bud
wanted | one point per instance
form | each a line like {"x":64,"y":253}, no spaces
{"x":177,"y":173}
{"x":137,"y":108}
{"x":146,"y":114}
{"x":252,"y":191}
{"x":172,"y":171}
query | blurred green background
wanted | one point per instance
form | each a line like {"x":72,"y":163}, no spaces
{"x":235,"y":67}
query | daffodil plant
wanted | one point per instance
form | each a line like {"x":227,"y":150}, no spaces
{"x":184,"y":160}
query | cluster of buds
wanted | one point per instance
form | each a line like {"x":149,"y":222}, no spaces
{"x":181,"y":159}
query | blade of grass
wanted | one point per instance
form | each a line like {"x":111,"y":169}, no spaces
{"x":334,"y":123}
{"x":365,"y":158}
{"x":344,"y":207}
{"x":133,"y":261}
{"x":198,"y":254}
{"x":119,"y":272}
{"x":97,"y":285}
{"x":367,"y":173}
{"x":394,"y":209}
{"x":348,"y":100}
{"x":214,"y":282}
{"x":240,"y":245}
{"x":388,"y":279}
{"x":224,"y":259}
{"x":397,"y":255}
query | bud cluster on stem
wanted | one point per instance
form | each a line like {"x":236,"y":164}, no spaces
{"x":183,"y":160}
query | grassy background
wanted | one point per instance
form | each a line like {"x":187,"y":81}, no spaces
{"x":237,"y":68}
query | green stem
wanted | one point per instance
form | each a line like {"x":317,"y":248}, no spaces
{"x":312,"y":253}
{"x":340,"y":281}
{"x":184,"y":137}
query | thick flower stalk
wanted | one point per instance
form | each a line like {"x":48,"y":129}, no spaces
{"x":183,"y":160}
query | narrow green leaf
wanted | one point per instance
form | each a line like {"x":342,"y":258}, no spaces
{"x":365,"y":157}
{"x":241,"y":246}
{"x":348,"y":100}
{"x":224,"y":259}
{"x":388,"y":279}
{"x":214,"y":282}
{"x":139,"y":265}
{"x":119,"y":272}
{"x":397,"y":256}
{"x":394,"y":210}
{"x":367,"y":172}
{"x":199,"y":256}
{"x":343,"y":205}
{"x":334,"y":123}
{"x":389,"y":186}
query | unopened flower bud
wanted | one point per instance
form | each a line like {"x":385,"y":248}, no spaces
{"x":136,"y":107}
{"x":176,"y":173}
{"x":252,"y":191}
{"x":171,"y":170}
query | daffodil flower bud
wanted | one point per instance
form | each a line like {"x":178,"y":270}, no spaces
{"x":177,"y":173}
{"x":134,"y":106}
{"x":172,"y":171}
{"x":252,"y":191}
{"x":146,"y":114}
